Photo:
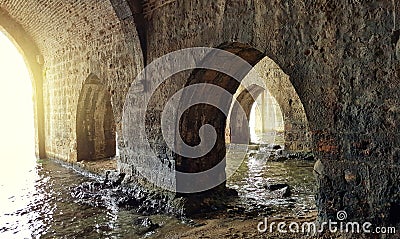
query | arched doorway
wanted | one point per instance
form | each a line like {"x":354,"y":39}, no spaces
{"x":17,"y":104}
{"x":34,"y":63}
{"x":245,"y":91}
{"x":96,"y":130}
{"x":267,"y":176}
{"x":17,"y":139}
{"x":284,"y":105}
{"x":266,"y":121}
{"x":263,"y":113}
{"x":148,"y":130}
{"x":198,"y":115}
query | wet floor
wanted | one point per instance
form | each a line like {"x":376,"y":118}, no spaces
{"x":36,"y":201}
{"x":258,"y":171}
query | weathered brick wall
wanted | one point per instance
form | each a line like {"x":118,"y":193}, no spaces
{"x":79,"y":38}
{"x":340,"y":56}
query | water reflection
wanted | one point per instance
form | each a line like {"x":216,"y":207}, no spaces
{"x":257,"y":171}
{"x":36,"y":200}
{"x":272,"y":137}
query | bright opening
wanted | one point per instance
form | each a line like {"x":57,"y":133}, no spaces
{"x":17,"y":120}
{"x":266,"y":121}
{"x":17,"y":131}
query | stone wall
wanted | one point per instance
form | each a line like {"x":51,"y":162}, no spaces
{"x":76,"y":39}
{"x":340,"y":56}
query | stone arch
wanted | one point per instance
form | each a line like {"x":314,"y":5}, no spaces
{"x":296,"y":130}
{"x":34,"y":63}
{"x":95,"y":125}
{"x":198,"y":115}
{"x":246,"y":98}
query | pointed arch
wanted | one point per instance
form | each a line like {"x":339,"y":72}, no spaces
{"x":95,"y":125}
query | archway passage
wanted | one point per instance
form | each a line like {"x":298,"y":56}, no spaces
{"x":263,"y":114}
{"x":245,"y":92}
{"x":201,"y":114}
{"x":96,"y":130}
{"x":266,"y":176}
{"x":266,"y":121}
{"x":281,"y":94}
{"x":16,"y":102}
{"x":33,"y":59}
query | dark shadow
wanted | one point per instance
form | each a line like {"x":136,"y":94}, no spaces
{"x":96,"y":130}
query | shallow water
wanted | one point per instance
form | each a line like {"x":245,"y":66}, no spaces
{"x":272,"y":137}
{"x":257,"y":171}
{"x":36,"y":201}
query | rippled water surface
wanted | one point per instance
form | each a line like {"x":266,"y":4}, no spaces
{"x":257,"y":171}
{"x":36,"y":201}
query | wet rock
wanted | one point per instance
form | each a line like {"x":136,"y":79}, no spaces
{"x":280,"y":190}
{"x":273,"y":187}
{"x":87,"y":193}
{"x":106,"y":181}
{"x":236,"y":210}
{"x":285,"y":192}
{"x":276,"y":147}
{"x":278,"y":158}
{"x":119,"y":180}
{"x":279,"y":152}
{"x":104,"y":227}
{"x":113,"y":179}
{"x":145,"y":225}
{"x":127,"y":202}
{"x":308,"y":157}
{"x":192,"y":223}
{"x":318,"y":168}
{"x":231,"y":192}
{"x":111,"y":192}
{"x":252,"y":154}
{"x":293,"y":156}
{"x":239,"y":209}
{"x":199,"y":224}
{"x":251,"y":214}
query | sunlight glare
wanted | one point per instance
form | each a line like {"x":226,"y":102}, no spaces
{"x":16,"y":122}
